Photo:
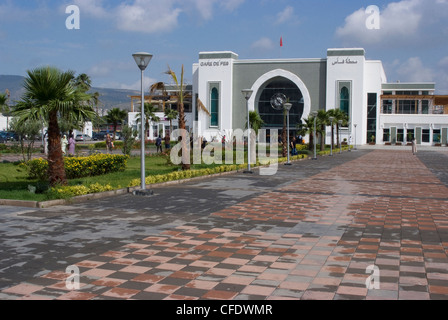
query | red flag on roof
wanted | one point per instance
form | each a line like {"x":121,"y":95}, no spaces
{"x":281,"y":41}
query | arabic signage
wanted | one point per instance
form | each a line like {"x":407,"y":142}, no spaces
{"x":345,"y":61}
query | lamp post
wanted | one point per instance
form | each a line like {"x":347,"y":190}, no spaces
{"x":332,"y":137}
{"x":142,"y":59}
{"x":356,"y":148}
{"x":349,"y":136}
{"x":340,"y":136}
{"x":314,"y":114}
{"x":288,"y":107}
{"x":247,"y":93}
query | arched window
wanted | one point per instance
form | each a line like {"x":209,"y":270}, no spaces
{"x":345,"y":100}
{"x":214,"y":110}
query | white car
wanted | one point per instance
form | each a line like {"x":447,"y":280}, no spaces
{"x":83,"y":137}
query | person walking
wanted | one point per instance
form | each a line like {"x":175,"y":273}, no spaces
{"x":167,"y":142}
{"x":109,"y":143}
{"x":64,"y":143}
{"x":159,"y":144}
{"x":414,"y":146}
{"x":71,"y":145}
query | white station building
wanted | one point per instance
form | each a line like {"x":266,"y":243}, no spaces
{"x":380,"y":112}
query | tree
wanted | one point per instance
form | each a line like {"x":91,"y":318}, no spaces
{"x":116,"y":117}
{"x":150,"y":115}
{"x":255,"y":121}
{"x":339,"y":115}
{"x":4,"y":103}
{"x":82,"y":82}
{"x":128,"y":135}
{"x":180,"y":93}
{"x":322,"y":120}
{"x":50,"y":95}
{"x":171,"y":115}
{"x":307,"y":127}
{"x":28,"y":132}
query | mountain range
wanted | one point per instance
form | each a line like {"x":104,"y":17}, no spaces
{"x":109,"y":98}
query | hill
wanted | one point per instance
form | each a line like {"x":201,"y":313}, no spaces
{"x":110,"y":98}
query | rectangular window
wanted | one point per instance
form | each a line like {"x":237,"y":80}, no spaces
{"x":410,"y":135}
{"x":386,"y":135}
{"x":387,"y":106}
{"x":426,"y":135}
{"x":372,"y":100}
{"x":400,"y":135}
{"x":425,"y":107}
{"x":436,"y":136}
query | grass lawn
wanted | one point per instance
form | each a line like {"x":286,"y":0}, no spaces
{"x":14,"y":180}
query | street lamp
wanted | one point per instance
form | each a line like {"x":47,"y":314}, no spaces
{"x":349,"y":136}
{"x":288,"y":107}
{"x":340,"y":136}
{"x":314,"y":114}
{"x":247,"y":93}
{"x":142,"y":59}
{"x":332,"y":137}
{"x":356,"y":148}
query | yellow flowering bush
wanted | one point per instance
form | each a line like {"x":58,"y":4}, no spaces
{"x":80,"y":167}
{"x":74,"y":191}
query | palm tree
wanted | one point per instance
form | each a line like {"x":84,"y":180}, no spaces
{"x":255,"y":121}
{"x":322,"y":120}
{"x":150,"y":115}
{"x":181,"y":96}
{"x":339,"y":115}
{"x":50,"y":95}
{"x":171,"y":115}
{"x":4,"y":103}
{"x":307,"y":127}
{"x":116,"y":117}
{"x":82,"y":82}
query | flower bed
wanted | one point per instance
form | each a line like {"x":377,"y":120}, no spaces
{"x":80,"y":167}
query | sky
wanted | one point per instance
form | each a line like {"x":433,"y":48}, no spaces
{"x":410,"y":37}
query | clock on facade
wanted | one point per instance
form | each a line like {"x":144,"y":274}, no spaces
{"x":278,"y":101}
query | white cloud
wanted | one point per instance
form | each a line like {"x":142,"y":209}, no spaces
{"x":148,"y":16}
{"x":399,"y":22}
{"x":286,"y":15}
{"x":231,"y":5}
{"x":263,"y":44}
{"x":147,"y":82}
{"x":93,"y":8}
{"x":413,"y":70}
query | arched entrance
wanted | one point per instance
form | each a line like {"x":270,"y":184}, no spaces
{"x":274,"y":118}
{"x":270,"y":77}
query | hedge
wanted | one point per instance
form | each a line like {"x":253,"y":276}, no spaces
{"x":80,"y":167}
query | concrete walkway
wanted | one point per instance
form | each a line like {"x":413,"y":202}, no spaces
{"x":309,"y":232}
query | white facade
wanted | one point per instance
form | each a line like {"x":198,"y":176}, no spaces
{"x":344,"y":80}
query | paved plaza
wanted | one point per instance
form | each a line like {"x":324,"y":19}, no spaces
{"x":309,"y":232}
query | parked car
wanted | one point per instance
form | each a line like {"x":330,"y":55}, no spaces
{"x":83,"y":138}
{"x":8,"y":136}
{"x":99,"y":136}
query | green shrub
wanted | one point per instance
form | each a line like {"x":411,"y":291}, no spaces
{"x":80,"y":167}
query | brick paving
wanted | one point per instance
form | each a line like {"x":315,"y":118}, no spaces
{"x":311,"y":238}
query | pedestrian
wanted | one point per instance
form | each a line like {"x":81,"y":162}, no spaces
{"x":294,"y":147}
{"x":159,"y":144}
{"x":64,"y":143}
{"x":414,"y":146}
{"x":109,"y":143}
{"x":71,"y":145}
{"x":167,"y":142}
